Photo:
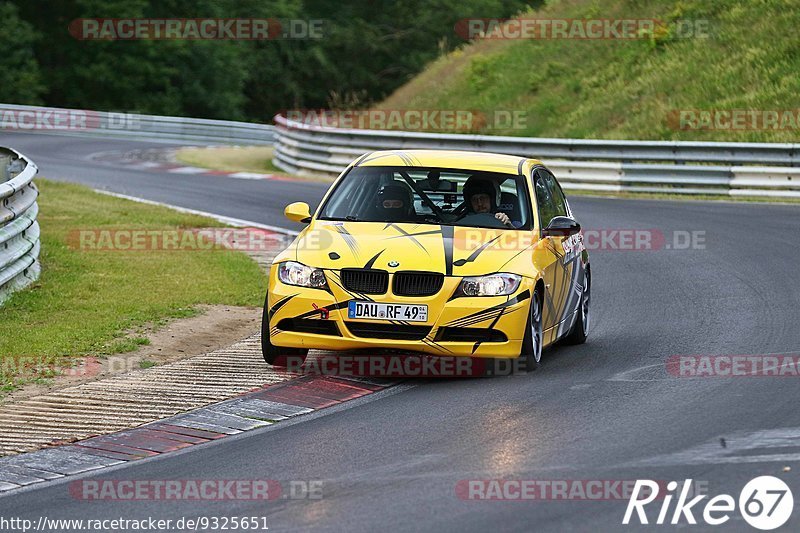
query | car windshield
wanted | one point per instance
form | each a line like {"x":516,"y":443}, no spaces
{"x":430,"y":196}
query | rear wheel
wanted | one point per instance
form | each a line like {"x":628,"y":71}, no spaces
{"x":580,"y":329}
{"x":277,"y":355}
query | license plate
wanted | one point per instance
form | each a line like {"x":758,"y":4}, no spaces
{"x":380,"y":311}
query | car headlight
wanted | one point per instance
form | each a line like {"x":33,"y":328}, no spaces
{"x":501,"y":284}
{"x":292,"y":273}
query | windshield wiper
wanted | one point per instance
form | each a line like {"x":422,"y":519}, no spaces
{"x":351,"y":218}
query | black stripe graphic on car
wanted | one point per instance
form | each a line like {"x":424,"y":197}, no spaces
{"x":447,"y":242}
{"x":469,"y":321}
{"x":478,"y":319}
{"x":515,"y":256}
{"x":363,"y":158}
{"x":574,"y":291}
{"x":409,"y":235}
{"x":434,"y":344}
{"x":474,"y":255}
{"x":402,"y":155}
{"x":431,"y":232}
{"x":349,"y":240}
{"x":491,"y":326}
{"x":372,"y":157}
{"x":566,"y":284}
{"x":372,"y":261}
{"x":321,"y":310}
{"x":280,"y":303}
{"x":521,"y":297}
{"x":407,"y":159}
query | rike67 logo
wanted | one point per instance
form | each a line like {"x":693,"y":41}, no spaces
{"x":765,"y":503}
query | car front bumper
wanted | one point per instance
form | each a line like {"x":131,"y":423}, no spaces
{"x":494,"y":326}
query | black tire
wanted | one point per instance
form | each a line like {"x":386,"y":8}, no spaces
{"x":580,"y":329}
{"x":277,"y":355}
{"x":531,"y":353}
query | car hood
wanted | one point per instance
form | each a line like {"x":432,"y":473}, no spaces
{"x":450,"y":250}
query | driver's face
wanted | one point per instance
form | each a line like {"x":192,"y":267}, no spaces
{"x":480,"y":202}
{"x":392,"y":204}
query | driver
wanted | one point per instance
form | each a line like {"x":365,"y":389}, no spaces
{"x":480,"y":196}
{"x":394,"y":202}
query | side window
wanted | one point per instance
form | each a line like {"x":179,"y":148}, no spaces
{"x":544,"y":199}
{"x":560,"y":203}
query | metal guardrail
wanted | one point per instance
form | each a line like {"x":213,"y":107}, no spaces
{"x":735,"y":169}
{"x":19,"y":231}
{"x":20,"y":118}
{"x":677,"y":167}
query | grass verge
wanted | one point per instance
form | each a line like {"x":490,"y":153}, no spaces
{"x":94,"y":302}
{"x":238,"y":159}
{"x":741,"y":55}
{"x":230,"y":158}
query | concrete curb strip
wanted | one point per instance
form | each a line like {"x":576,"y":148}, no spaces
{"x":263,"y":407}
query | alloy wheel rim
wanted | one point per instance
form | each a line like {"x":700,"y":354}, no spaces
{"x":536,"y":329}
{"x":585,"y":305}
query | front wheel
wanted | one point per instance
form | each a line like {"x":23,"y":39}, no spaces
{"x":531,"y":353}
{"x":277,"y":355}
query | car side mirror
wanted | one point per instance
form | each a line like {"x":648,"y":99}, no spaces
{"x":561,"y":227}
{"x":298,"y":212}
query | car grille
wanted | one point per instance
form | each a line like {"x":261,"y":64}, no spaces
{"x":417,"y":283}
{"x":309,"y":325}
{"x":365,"y":281}
{"x":388,"y":331}
{"x":470,"y":335}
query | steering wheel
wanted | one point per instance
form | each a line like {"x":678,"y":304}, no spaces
{"x":481,"y":220}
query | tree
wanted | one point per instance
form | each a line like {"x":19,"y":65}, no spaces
{"x":22,"y":79}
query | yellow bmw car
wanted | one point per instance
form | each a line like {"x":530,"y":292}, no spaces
{"x":442,"y":252}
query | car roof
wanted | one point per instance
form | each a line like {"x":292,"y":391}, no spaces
{"x":481,"y":161}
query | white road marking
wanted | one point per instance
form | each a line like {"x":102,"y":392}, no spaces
{"x":770,"y":445}
{"x":631,"y":375}
{"x":236,"y":222}
{"x":249,"y":176}
{"x":188,"y":170}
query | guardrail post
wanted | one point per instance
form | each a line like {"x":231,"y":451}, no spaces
{"x":5,"y":161}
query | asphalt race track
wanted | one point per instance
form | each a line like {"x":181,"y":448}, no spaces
{"x":64,"y":158}
{"x":607,"y":410}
